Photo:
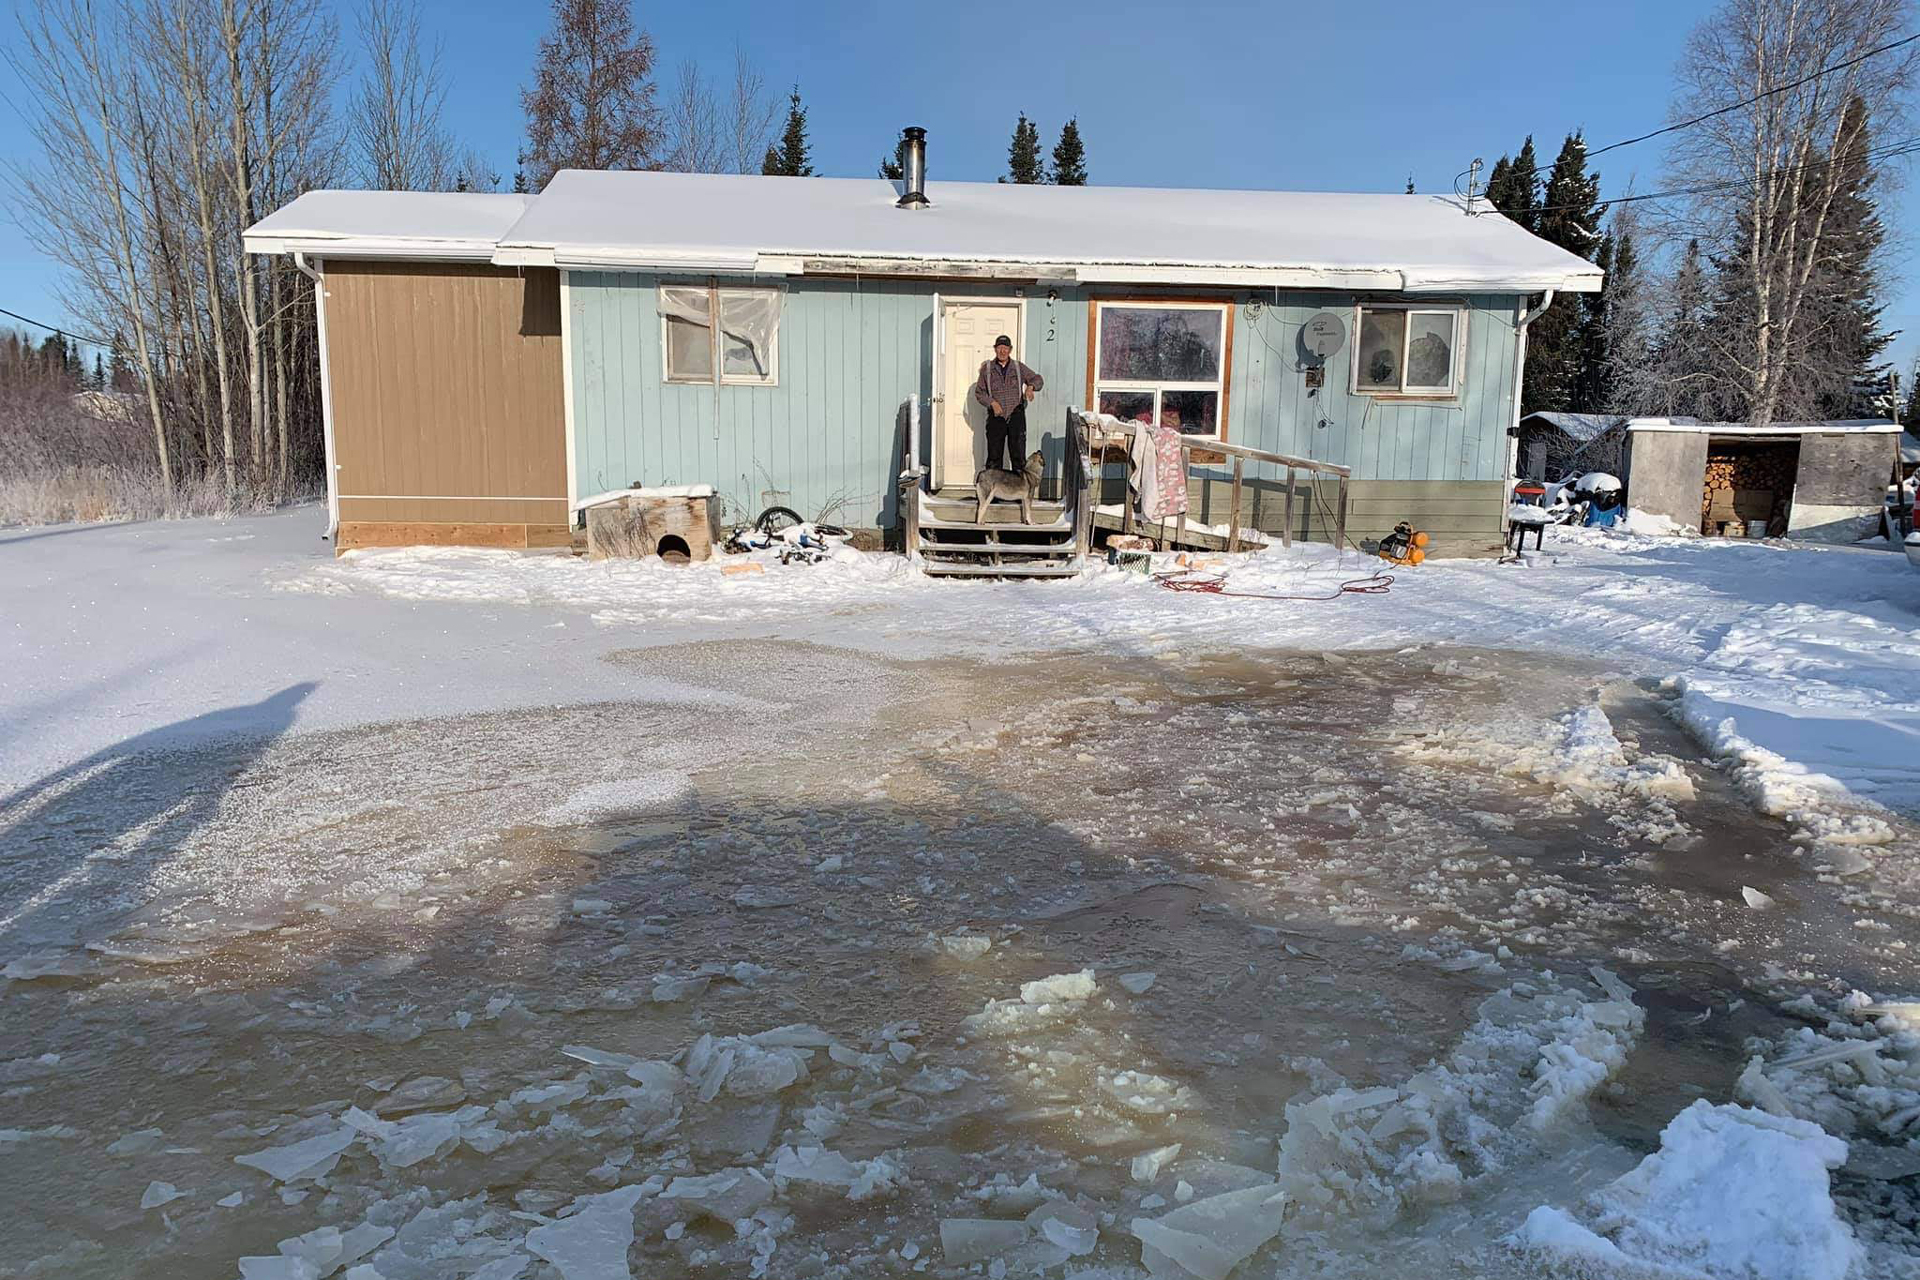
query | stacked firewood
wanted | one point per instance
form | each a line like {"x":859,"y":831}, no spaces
{"x":1748,"y":473}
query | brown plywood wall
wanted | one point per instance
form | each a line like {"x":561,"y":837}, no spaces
{"x":446,"y":394}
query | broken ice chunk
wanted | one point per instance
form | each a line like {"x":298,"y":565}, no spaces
{"x":233,"y":1201}
{"x":1137,"y":983}
{"x":763,"y":896}
{"x":598,"y":1057}
{"x":1061,"y":986}
{"x":592,"y":1244}
{"x":1147,"y":1165}
{"x":795,"y":1035}
{"x":666,"y":989}
{"x":1209,"y":1238}
{"x":1755,"y":899}
{"x":138,"y":1143}
{"x":421,"y":1093}
{"x":1144,"y":1092}
{"x":1066,"y":1225}
{"x":159,"y":1193}
{"x":965,"y":946}
{"x":967,"y":1240}
{"x":508,"y":1268}
{"x":728,"y":1195}
{"x":310,"y":1158}
{"x":278,"y":1267}
{"x":548,"y":1097}
{"x":814,"y":1164}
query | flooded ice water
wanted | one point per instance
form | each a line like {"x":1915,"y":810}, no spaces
{"x":1340,"y":966}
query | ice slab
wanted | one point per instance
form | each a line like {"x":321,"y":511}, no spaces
{"x":965,"y":946}
{"x":309,"y":1158}
{"x":1147,"y":1165}
{"x":159,"y":1193}
{"x":1061,"y":986}
{"x":1209,"y":1238}
{"x":1731,"y":1192}
{"x":1137,"y":983}
{"x":138,"y":1143}
{"x":421,"y":1093}
{"x":1067,"y":1226}
{"x":965,"y":1240}
{"x":592,"y":1244}
{"x":598,"y":1057}
{"x":763,"y":897}
{"x":1754,"y":898}
{"x":728,"y":1195}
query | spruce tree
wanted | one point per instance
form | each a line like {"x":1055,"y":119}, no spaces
{"x":1070,"y":157}
{"x":1681,"y":363}
{"x":520,"y":182}
{"x":1023,"y":154}
{"x":896,"y":168}
{"x":791,"y":158}
{"x":1569,"y":216}
{"x":1499,"y":192}
{"x":1514,"y":186}
{"x":1854,"y":337}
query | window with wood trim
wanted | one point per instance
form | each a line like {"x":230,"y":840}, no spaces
{"x":1162,"y":362}
{"x":1408,"y":351}
{"x":746,"y":347}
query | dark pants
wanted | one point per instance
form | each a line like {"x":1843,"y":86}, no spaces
{"x":1007,"y":440}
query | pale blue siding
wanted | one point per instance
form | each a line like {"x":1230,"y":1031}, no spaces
{"x":824,"y":441}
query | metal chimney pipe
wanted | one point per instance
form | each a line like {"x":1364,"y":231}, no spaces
{"x":913,"y":168}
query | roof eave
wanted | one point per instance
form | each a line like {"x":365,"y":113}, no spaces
{"x":414,"y":249}
{"x":1364,"y":279}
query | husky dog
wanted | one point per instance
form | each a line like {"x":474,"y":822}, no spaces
{"x":1022,"y":486}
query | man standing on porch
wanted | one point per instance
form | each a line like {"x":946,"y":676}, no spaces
{"x":1004,"y":388}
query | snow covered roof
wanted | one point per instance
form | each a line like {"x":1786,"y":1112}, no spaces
{"x":768,"y":225}
{"x":1868,"y":426}
{"x":1584,"y":427}
{"x":728,"y":223}
{"x":390,"y":224}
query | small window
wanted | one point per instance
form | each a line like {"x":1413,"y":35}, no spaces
{"x":1162,"y":363}
{"x":1405,"y":351}
{"x":749,"y":337}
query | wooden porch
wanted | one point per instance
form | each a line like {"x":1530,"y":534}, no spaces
{"x":945,"y":532}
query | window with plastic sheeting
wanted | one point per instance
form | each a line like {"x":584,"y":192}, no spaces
{"x":1407,"y":351}
{"x":1162,"y":363}
{"x":746,"y":346}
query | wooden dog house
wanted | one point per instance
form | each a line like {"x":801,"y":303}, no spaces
{"x":678,"y":523}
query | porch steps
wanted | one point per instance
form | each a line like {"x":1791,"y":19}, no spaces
{"x":1050,"y":569}
{"x":955,"y":543}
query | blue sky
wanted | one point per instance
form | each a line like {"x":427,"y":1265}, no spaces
{"x":1308,"y":97}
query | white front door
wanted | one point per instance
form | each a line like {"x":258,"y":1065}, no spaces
{"x":967,"y":331}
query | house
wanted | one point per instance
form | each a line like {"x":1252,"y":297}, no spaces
{"x":1820,"y":481}
{"x":1554,"y":446}
{"x":490,"y":359}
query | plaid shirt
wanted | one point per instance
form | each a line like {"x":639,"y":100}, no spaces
{"x":1005,"y":384}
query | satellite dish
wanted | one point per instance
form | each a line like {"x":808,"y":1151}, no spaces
{"x":1323,"y":334}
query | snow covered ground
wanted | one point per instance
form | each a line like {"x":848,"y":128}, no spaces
{"x":1797,"y":661}
{"x":454,"y":913}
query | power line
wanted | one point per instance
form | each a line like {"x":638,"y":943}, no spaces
{"x":56,"y":329}
{"x":1721,"y":111}
{"x":1887,"y":151}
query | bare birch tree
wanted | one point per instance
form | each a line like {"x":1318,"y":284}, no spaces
{"x":592,"y":102}
{"x":80,"y":78}
{"x":395,"y":126}
{"x":1767,"y":171}
{"x":705,"y":129}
